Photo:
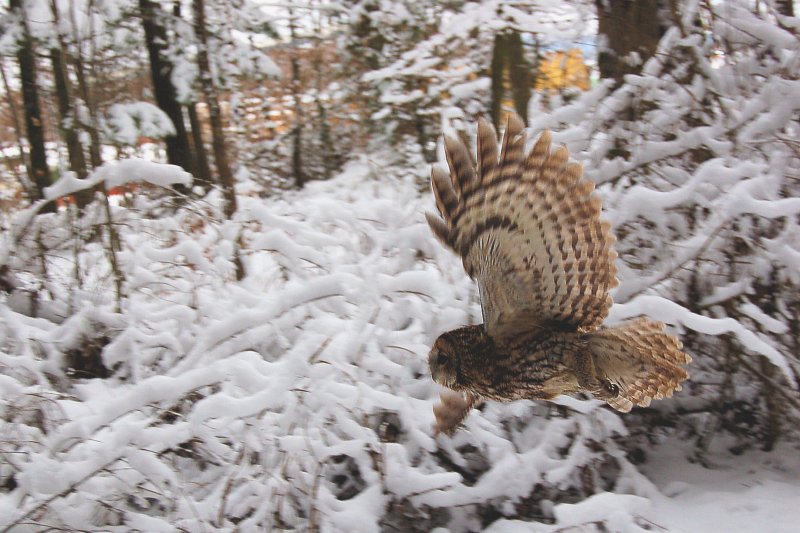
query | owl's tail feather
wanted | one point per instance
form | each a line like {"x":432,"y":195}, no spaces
{"x":641,"y":359}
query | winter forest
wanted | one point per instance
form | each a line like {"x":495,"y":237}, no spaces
{"x":218,"y":290}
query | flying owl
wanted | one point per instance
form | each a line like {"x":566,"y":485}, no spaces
{"x":529,"y":232}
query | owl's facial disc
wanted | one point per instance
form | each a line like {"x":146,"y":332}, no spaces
{"x":442,"y":364}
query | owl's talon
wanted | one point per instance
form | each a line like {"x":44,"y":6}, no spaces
{"x":607,"y":390}
{"x":451,"y":411}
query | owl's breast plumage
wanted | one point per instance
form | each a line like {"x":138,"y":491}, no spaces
{"x":535,"y":365}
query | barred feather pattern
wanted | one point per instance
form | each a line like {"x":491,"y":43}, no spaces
{"x":641,"y":359}
{"x":528,"y":229}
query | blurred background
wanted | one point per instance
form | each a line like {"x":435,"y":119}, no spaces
{"x":217,"y":289}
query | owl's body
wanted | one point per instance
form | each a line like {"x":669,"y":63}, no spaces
{"x":534,"y":365}
{"x":528,"y":230}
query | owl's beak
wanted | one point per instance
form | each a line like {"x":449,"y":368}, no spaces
{"x":433,"y":364}
{"x":439,"y":371}
{"x":433,"y":358}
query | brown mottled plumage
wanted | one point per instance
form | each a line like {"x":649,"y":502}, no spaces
{"x":529,"y":232}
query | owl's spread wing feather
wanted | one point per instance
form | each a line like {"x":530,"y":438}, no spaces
{"x":641,"y":359}
{"x":528,"y":230}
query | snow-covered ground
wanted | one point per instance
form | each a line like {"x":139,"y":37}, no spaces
{"x":756,"y":491}
{"x":299,"y":398}
{"x":748,"y":493}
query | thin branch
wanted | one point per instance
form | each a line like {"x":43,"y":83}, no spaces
{"x":30,"y":513}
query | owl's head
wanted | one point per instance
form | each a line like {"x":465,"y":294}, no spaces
{"x":455,"y":356}
{"x":443,"y":362}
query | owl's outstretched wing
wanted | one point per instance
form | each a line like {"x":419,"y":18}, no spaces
{"x":528,"y":230}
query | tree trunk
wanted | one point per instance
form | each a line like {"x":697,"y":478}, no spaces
{"x":785,"y":7}
{"x":297,"y":130}
{"x":508,"y":56}
{"x":77,"y":160}
{"x":201,"y":157}
{"x":625,"y":27}
{"x":37,"y":170}
{"x":24,"y":179}
{"x":178,"y":149}
{"x":519,"y":74}
{"x":67,"y":122}
{"x":297,"y":140}
{"x":773,"y":406}
{"x":329,"y":159}
{"x":498,"y":62}
{"x":83,"y":86}
{"x":197,"y":145}
{"x":214,"y":114}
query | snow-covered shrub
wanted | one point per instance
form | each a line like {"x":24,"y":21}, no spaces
{"x":699,"y":166}
{"x":126,"y":124}
{"x":298,"y":398}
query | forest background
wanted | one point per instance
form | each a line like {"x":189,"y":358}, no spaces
{"x":217,"y":290}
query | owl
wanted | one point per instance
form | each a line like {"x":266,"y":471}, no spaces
{"x":527,"y":227}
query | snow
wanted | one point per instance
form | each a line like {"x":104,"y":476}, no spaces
{"x":737,"y":494}
{"x":299,"y":397}
{"x":308,"y":362}
{"x":118,"y":173}
{"x":743,"y":495}
{"x":127,"y":123}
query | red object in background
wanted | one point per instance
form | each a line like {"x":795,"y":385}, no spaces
{"x":120,"y":190}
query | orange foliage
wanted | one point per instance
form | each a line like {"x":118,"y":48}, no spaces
{"x":562,"y":69}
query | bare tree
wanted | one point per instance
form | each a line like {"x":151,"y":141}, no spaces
{"x":202,"y":169}
{"x":178,"y":148}
{"x":201,"y":156}
{"x":508,"y":57}
{"x":83,"y":84}
{"x":67,"y":122}
{"x":329,"y":157}
{"x":38,"y":171}
{"x":297,"y":129}
{"x":214,"y":113}
{"x":24,"y":179}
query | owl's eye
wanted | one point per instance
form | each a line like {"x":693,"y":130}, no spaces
{"x":443,"y":359}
